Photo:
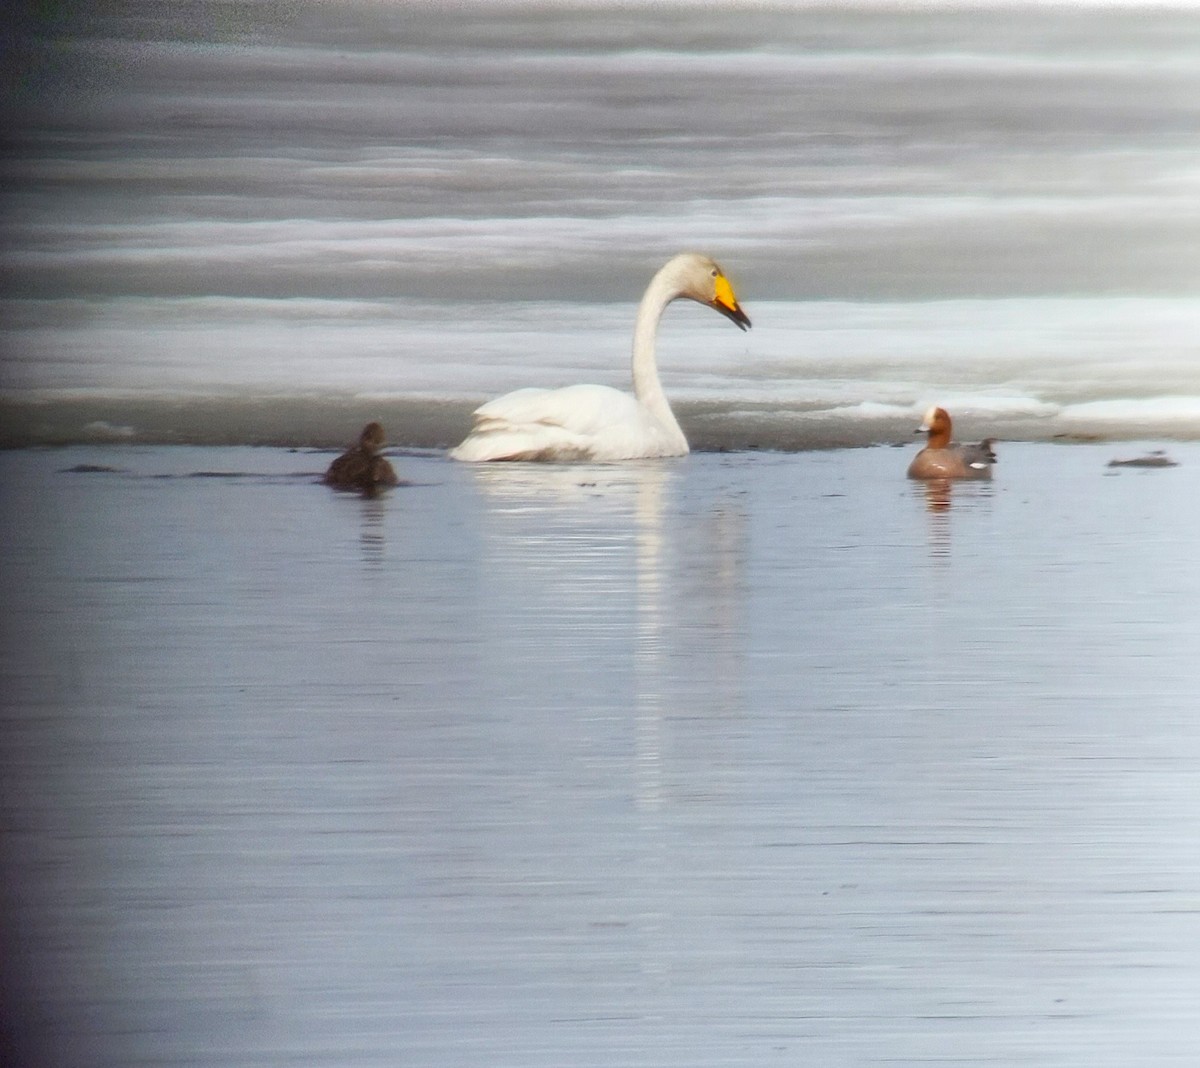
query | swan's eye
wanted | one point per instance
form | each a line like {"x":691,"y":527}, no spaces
{"x":714,"y":272}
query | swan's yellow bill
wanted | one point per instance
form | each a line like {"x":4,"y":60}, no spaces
{"x":726,"y":303}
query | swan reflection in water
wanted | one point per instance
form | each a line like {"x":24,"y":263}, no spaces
{"x":625,"y":584}
{"x":625,"y":571}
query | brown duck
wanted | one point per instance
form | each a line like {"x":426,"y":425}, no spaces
{"x":943,"y":458}
{"x":361,"y":467}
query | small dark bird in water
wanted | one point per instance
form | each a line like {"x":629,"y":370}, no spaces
{"x":361,"y":467}
{"x":1158,"y":458}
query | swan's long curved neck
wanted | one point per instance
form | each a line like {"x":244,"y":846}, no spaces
{"x":646,"y":385}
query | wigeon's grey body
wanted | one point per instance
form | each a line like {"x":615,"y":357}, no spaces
{"x":943,"y":458}
{"x":361,"y":467}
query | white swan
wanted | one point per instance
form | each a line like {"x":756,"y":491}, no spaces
{"x":597,"y":422}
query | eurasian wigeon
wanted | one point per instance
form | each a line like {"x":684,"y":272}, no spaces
{"x":942,"y":458}
{"x":361,"y":467}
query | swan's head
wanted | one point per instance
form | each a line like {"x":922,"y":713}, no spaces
{"x":700,"y":278}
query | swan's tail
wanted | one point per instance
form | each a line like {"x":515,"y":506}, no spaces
{"x":497,"y":441}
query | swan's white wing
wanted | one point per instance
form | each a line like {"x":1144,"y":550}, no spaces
{"x":574,"y":423}
{"x":524,"y":443}
{"x":579,"y":409}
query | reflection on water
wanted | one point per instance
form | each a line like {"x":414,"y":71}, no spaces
{"x":597,"y":535}
{"x":549,"y":488}
{"x":692,"y":762}
{"x":650,"y":638}
{"x":938,"y":494}
{"x":371,"y":536}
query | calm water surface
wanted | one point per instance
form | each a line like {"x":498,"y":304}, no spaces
{"x":739,"y":760}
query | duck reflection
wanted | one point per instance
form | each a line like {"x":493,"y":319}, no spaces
{"x":938,"y":495}
{"x":371,"y":535}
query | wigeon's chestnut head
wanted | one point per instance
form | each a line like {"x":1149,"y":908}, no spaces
{"x":361,"y":467}
{"x":942,"y":458}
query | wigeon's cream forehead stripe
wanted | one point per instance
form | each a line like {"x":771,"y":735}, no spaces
{"x":927,"y":419}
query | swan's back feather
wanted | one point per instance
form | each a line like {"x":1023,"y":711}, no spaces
{"x":582,"y":409}
{"x":586,"y":422}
